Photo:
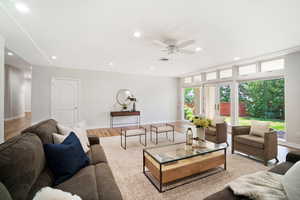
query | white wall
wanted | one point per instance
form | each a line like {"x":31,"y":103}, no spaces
{"x":1,"y":89}
{"x":27,"y":95}
{"x":157,"y":96}
{"x":14,"y":92}
{"x":292,"y":97}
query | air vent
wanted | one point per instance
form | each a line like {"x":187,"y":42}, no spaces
{"x":164,"y":59}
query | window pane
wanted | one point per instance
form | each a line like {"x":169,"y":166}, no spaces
{"x":211,"y":76}
{"x":226,"y":73}
{"x":197,"y":78}
{"x":272,"y":65}
{"x":188,"y":80}
{"x":248,"y":69}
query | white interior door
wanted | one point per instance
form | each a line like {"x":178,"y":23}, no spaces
{"x":65,"y":100}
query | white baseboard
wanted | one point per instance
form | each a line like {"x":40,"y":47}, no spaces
{"x":144,"y":123}
{"x":289,"y":144}
{"x":16,"y":117}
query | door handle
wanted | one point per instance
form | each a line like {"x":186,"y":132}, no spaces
{"x":75,"y":107}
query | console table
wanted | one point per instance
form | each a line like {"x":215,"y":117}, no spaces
{"x":114,"y":114}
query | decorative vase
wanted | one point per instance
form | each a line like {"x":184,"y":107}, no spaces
{"x":201,"y":137}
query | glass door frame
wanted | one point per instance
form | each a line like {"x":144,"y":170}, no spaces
{"x":217,"y":97}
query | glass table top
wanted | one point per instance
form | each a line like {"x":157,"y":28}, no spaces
{"x":178,"y":151}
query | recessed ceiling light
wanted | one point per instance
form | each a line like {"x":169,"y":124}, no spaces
{"x":10,"y":54}
{"x":198,"y":49}
{"x":152,"y":68}
{"x":21,"y":7}
{"x":53,"y":57}
{"x":137,"y":34}
{"x":236,"y":58}
{"x":110,"y":64}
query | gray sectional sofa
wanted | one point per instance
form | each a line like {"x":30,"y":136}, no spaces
{"x":282,"y":168}
{"x":24,"y":171}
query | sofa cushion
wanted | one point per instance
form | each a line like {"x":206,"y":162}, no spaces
{"x":291,"y":182}
{"x":83,"y":184}
{"x":45,"y":179}
{"x":97,"y":154}
{"x":22,"y":160}
{"x":65,"y":159}
{"x":107,"y":187}
{"x":44,"y":130}
{"x":251,"y":140}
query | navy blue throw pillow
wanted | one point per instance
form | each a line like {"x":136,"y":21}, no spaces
{"x":65,"y":159}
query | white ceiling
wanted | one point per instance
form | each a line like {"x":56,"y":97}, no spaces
{"x":91,"y":33}
{"x":16,"y":60}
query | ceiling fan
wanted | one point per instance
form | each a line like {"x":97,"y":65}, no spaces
{"x":172,"y":46}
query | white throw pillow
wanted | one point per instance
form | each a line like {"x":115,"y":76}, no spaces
{"x":82,"y":125}
{"x":291,"y":182}
{"x":48,"y":193}
{"x":217,"y":120}
{"x":259,"y":128}
{"x":58,"y":139}
{"x":79,"y":133}
{"x":64,"y":130}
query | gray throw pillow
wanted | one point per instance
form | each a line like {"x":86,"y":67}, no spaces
{"x":291,"y":182}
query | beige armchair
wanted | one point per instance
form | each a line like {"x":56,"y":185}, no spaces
{"x":261,"y":147}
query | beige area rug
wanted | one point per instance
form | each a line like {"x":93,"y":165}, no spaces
{"x":127,"y":165}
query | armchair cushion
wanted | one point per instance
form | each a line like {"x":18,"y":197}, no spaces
{"x":217,"y":120}
{"x":251,"y":140}
{"x":259,"y":128}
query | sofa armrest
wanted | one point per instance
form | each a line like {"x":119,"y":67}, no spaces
{"x":93,"y":139}
{"x":221,"y":132}
{"x":293,"y":156}
{"x":240,"y":130}
{"x":271,"y":144}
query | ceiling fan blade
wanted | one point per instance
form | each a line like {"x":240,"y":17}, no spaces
{"x":186,"y":51}
{"x":185,"y":43}
{"x":160,"y":43}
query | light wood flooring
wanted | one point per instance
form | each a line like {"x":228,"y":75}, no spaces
{"x":14,"y":127}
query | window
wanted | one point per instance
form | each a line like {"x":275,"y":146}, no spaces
{"x":211,"y":76}
{"x":272,"y":65}
{"x":226,"y":73}
{"x":247,"y":69}
{"x":188,"y":80}
{"x":197,"y":79}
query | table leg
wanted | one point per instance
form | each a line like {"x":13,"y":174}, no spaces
{"x":143,"y":161}
{"x":156,"y":137}
{"x":140,"y":139}
{"x":225,"y":163}
{"x":173,"y":136}
{"x":160,"y":178}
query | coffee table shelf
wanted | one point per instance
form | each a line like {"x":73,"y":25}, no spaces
{"x":171,"y":163}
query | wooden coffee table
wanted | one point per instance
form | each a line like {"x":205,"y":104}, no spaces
{"x":167,"y":164}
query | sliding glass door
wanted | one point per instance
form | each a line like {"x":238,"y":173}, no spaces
{"x":263,"y":100}
{"x":217,"y":101}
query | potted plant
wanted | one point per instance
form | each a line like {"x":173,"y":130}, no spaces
{"x":201,"y":123}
